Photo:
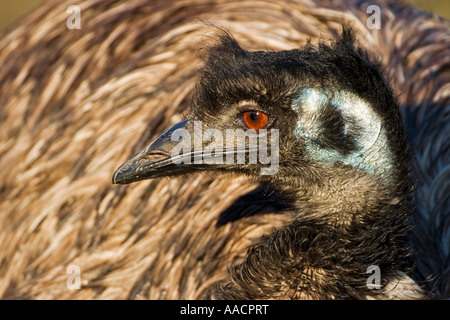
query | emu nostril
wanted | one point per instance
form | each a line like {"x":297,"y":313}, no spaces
{"x":155,"y":156}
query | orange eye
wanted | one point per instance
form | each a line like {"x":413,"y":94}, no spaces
{"x":255,"y":120}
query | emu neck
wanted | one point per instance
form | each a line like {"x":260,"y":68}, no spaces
{"x":343,"y":196}
{"x":342,"y":226}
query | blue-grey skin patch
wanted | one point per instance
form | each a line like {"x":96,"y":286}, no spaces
{"x":371,"y":153}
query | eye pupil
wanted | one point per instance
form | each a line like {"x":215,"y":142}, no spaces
{"x":255,"y":120}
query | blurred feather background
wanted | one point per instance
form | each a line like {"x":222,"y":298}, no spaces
{"x":63,"y":135}
{"x":11,"y":10}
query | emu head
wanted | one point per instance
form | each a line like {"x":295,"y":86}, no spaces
{"x":326,"y":120}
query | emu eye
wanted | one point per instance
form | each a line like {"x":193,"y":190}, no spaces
{"x":255,"y":120}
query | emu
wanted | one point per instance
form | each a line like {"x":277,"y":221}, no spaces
{"x":343,"y":165}
{"x":77,"y":103}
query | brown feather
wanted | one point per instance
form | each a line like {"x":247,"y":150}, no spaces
{"x":77,"y":103}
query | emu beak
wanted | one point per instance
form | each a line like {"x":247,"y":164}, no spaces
{"x":156,"y":160}
{"x":169,"y":155}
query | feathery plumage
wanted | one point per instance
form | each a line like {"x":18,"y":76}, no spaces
{"x":77,"y":103}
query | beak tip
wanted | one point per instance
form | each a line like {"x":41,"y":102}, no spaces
{"x":119,"y":176}
{"x":126,"y":173}
{"x":151,"y":162}
{"x":114,"y":179}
